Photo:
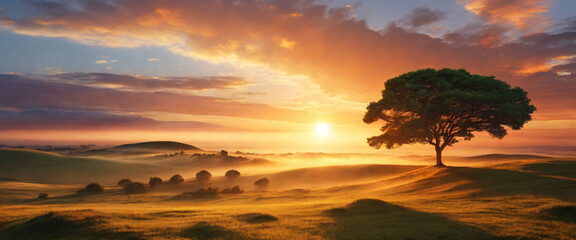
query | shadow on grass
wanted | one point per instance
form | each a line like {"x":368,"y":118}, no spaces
{"x":257,"y":218}
{"x":555,"y":168}
{"x":205,"y":231}
{"x":559,"y":213}
{"x":83,"y":224}
{"x":498,"y":182}
{"x":376,"y":219}
{"x":487,"y":182}
{"x":74,"y":198}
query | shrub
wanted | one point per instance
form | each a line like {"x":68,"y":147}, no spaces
{"x":203,"y":230}
{"x":154,"y":181}
{"x":43,"y":195}
{"x":94,"y":188}
{"x":205,"y":193}
{"x":232,"y":174}
{"x":123,"y":182}
{"x":262,"y":182}
{"x":224,"y":153}
{"x":176,"y":179}
{"x":234,"y":190}
{"x":203,"y":175}
{"x":135,"y":188}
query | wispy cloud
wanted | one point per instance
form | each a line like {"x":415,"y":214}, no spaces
{"x":53,"y":70}
{"x":101,"y":61}
{"x":142,"y":83}
{"x":20,"y":92}
{"x":153,"y":59}
{"x":43,"y":119}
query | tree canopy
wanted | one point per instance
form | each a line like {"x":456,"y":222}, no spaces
{"x":443,"y":107}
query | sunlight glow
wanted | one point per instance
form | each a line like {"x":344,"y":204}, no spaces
{"x":322,"y":129}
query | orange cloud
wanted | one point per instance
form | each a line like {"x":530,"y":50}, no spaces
{"x":526,"y":15}
{"x":343,"y":55}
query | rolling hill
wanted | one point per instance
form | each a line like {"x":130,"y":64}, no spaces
{"x":43,"y":167}
{"x":338,"y":175}
{"x":156,"y":145}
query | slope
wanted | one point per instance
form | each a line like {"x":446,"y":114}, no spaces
{"x":37,"y":166}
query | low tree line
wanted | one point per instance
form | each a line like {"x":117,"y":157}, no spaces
{"x":130,"y":187}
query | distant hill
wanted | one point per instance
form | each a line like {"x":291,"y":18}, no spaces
{"x":157,"y":145}
{"x":506,"y":157}
{"x":43,"y":167}
{"x":138,"y":148}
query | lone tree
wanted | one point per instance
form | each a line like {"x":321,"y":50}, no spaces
{"x":442,"y":107}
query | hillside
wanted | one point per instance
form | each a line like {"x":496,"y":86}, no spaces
{"x":156,"y":145}
{"x":338,"y":175}
{"x":42,"y":167}
{"x":553,"y":178}
{"x":312,"y":178}
{"x":506,"y":157}
{"x":132,"y":149}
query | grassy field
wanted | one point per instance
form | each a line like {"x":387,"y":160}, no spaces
{"x":510,"y":198}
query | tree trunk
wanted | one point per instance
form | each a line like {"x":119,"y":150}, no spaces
{"x":439,"y":157}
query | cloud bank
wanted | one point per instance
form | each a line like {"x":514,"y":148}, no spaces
{"x":42,"y":119}
{"x":336,"y":50}
{"x":23,"y":93}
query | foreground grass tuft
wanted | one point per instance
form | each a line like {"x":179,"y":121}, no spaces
{"x":83,"y":224}
{"x":205,"y":231}
{"x":376,"y":219}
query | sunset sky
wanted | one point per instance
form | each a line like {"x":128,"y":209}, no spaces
{"x":269,"y":75}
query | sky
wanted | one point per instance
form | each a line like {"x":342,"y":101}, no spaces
{"x":269,"y":75}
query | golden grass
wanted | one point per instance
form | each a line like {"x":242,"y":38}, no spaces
{"x":522,"y":200}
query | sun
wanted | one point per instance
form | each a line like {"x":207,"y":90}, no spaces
{"x":322,"y":129}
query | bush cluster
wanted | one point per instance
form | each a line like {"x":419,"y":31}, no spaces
{"x":130,"y":187}
{"x":135,"y":188}
{"x":205,"y":193}
{"x":235,"y":190}
{"x":123,"y":182}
